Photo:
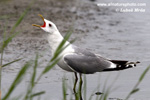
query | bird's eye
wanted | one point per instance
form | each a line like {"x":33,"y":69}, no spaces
{"x":50,"y":25}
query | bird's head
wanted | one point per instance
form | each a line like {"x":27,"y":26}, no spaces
{"x":48,"y":26}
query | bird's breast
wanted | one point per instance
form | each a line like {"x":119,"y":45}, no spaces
{"x":61,"y":62}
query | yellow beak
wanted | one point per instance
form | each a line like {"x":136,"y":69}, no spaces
{"x":42,"y":19}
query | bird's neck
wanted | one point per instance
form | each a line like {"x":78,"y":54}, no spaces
{"x":54,"y":40}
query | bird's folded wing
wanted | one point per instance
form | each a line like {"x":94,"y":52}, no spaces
{"x":86,"y":64}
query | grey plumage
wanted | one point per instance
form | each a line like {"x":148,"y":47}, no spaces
{"x":79,"y":60}
{"x":84,"y":61}
{"x":86,"y":64}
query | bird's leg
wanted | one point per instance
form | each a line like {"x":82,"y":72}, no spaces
{"x":76,"y":80}
{"x":80,"y":87}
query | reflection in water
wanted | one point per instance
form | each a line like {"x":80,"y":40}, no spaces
{"x":78,"y":91}
{"x":78,"y":94}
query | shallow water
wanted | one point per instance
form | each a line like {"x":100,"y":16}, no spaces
{"x":114,"y":35}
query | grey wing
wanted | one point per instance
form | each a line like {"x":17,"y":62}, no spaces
{"x":83,"y":51}
{"x":86,"y":64}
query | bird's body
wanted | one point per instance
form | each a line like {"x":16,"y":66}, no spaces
{"x":77,"y":60}
{"x":54,"y":42}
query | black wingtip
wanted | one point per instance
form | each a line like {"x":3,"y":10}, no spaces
{"x":122,"y":65}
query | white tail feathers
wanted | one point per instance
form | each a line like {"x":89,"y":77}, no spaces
{"x":132,"y":64}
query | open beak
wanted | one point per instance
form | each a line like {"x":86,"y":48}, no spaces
{"x":42,"y":19}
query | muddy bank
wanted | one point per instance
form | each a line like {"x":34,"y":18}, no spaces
{"x":100,"y":29}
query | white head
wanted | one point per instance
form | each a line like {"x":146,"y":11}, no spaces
{"x":54,"y":37}
{"x":48,"y":26}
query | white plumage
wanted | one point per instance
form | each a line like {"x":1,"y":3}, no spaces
{"x":77,"y":60}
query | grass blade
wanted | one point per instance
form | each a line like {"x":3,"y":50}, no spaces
{"x":64,"y":89}
{"x":143,"y":74}
{"x":7,"y":41}
{"x":22,"y":17}
{"x":34,"y":71}
{"x":19,"y":20}
{"x":17,"y":80}
{"x":38,"y":94}
{"x":32,"y":81}
{"x":85,"y":87}
{"x":11,"y":62}
{"x":50,"y":66}
{"x":135,"y":89}
{"x":61,"y":47}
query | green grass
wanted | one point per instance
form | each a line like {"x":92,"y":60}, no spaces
{"x":8,"y":39}
{"x":30,"y":94}
{"x":17,"y":80}
{"x":135,"y":88}
{"x":106,"y":90}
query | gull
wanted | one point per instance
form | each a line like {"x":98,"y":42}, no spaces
{"x":77,"y":60}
